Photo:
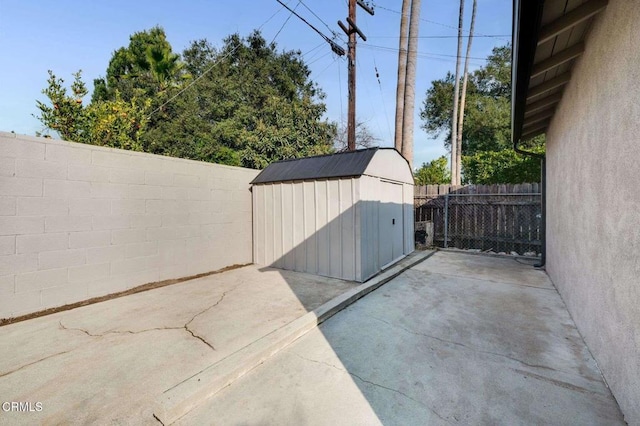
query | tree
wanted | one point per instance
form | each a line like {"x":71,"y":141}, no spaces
{"x":455,"y":172}
{"x":434,"y":172}
{"x":463,"y":96}
{"x":257,"y":107}
{"x":402,"y":73}
{"x":410,"y":81}
{"x":506,"y":166}
{"x":364,"y":137}
{"x":117,"y":123}
{"x":487,"y":120}
{"x":148,"y":63}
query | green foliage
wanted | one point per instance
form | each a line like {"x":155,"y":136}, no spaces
{"x":434,"y":172}
{"x":244,"y":104}
{"x":257,"y":106}
{"x":487,"y":153}
{"x":117,"y":123}
{"x":147,"y":64}
{"x":506,"y":166}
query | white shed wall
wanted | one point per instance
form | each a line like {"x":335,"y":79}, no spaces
{"x":308,"y":227}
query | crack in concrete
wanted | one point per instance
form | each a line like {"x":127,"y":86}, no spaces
{"x":373,"y":384}
{"x":34,"y":362}
{"x":185,"y":326}
{"x":451,"y":342}
{"x":559,"y":383}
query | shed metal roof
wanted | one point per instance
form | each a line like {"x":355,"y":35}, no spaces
{"x":343,"y":164}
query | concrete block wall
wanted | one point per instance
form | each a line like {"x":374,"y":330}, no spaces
{"x":79,"y":221}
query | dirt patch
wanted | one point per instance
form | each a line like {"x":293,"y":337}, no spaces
{"x":134,"y":290}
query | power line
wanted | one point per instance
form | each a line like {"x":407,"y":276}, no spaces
{"x":285,"y":23}
{"x":436,"y":23}
{"x":448,"y":36}
{"x":334,"y":46}
{"x":424,"y":54}
{"x":180,"y":92}
{"x":335,"y":34}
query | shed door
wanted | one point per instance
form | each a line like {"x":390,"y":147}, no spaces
{"x":391,"y":225}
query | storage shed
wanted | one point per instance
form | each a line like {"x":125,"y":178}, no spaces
{"x":345,"y":215}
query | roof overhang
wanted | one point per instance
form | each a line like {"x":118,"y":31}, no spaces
{"x":548,"y":36}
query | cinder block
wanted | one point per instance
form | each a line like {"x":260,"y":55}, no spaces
{"x":111,"y":222}
{"x":127,"y":266}
{"x":16,"y":225}
{"x":18,"y":263}
{"x":68,"y":154}
{"x":89,"y":273}
{"x":7,"y":206}
{"x":175,"y":219}
{"x":89,"y":206}
{"x":61,"y":259}
{"x":26,"y":187}
{"x":7,"y":284}
{"x":112,"y":159}
{"x":185,"y":180}
{"x":158,"y":178}
{"x":67,"y":223}
{"x":12,"y":305}
{"x":7,"y":166}
{"x":173,"y":193}
{"x":66,"y":189}
{"x":7,"y":245}
{"x":199,"y":194}
{"x":59,"y":296}
{"x":127,"y":206}
{"x":144,"y":192}
{"x":106,"y":286}
{"x":105,"y":254}
{"x":108,"y":190}
{"x":170,"y":272}
{"x":89,"y":239}
{"x":146,"y":221}
{"x":37,"y":206}
{"x":40,"y":169}
{"x":126,"y":176}
{"x":42,"y":242}
{"x":148,"y":248}
{"x":88,"y":173}
{"x":128,"y":236}
{"x":41,"y":279}
{"x":154,"y":262}
{"x":18,"y":148}
{"x":200,"y":218}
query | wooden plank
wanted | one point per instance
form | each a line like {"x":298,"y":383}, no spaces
{"x":571,"y":19}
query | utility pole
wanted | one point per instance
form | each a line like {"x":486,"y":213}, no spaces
{"x":351,"y":31}
{"x":410,"y":81}
{"x":402,"y":73}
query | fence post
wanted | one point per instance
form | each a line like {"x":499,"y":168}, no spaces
{"x":446,"y":220}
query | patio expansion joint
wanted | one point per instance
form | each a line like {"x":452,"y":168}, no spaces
{"x":378,"y":385}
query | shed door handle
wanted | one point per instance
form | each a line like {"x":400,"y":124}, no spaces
{"x":393,"y":221}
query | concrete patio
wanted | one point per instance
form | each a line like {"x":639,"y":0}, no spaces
{"x":457,"y":338}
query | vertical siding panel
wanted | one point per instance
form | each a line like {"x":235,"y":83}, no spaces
{"x":268,"y":225}
{"x":277,"y":225}
{"x":322,"y":227}
{"x":310,"y":228}
{"x":259,"y":220}
{"x":288,"y":217}
{"x":347,"y":229}
{"x":357,"y":228}
{"x":335,"y":229}
{"x":299,"y":213}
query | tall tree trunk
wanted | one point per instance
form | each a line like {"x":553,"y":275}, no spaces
{"x":410,"y":84}
{"x":464,"y":89}
{"x":455,"y":173}
{"x":402,"y":72}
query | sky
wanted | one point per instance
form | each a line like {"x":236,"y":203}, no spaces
{"x":70,"y":35}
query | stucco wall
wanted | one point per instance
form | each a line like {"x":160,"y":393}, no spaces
{"x":593,"y":211}
{"x":79,"y":221}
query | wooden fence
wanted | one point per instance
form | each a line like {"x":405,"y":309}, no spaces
{"x":499,"y":218}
